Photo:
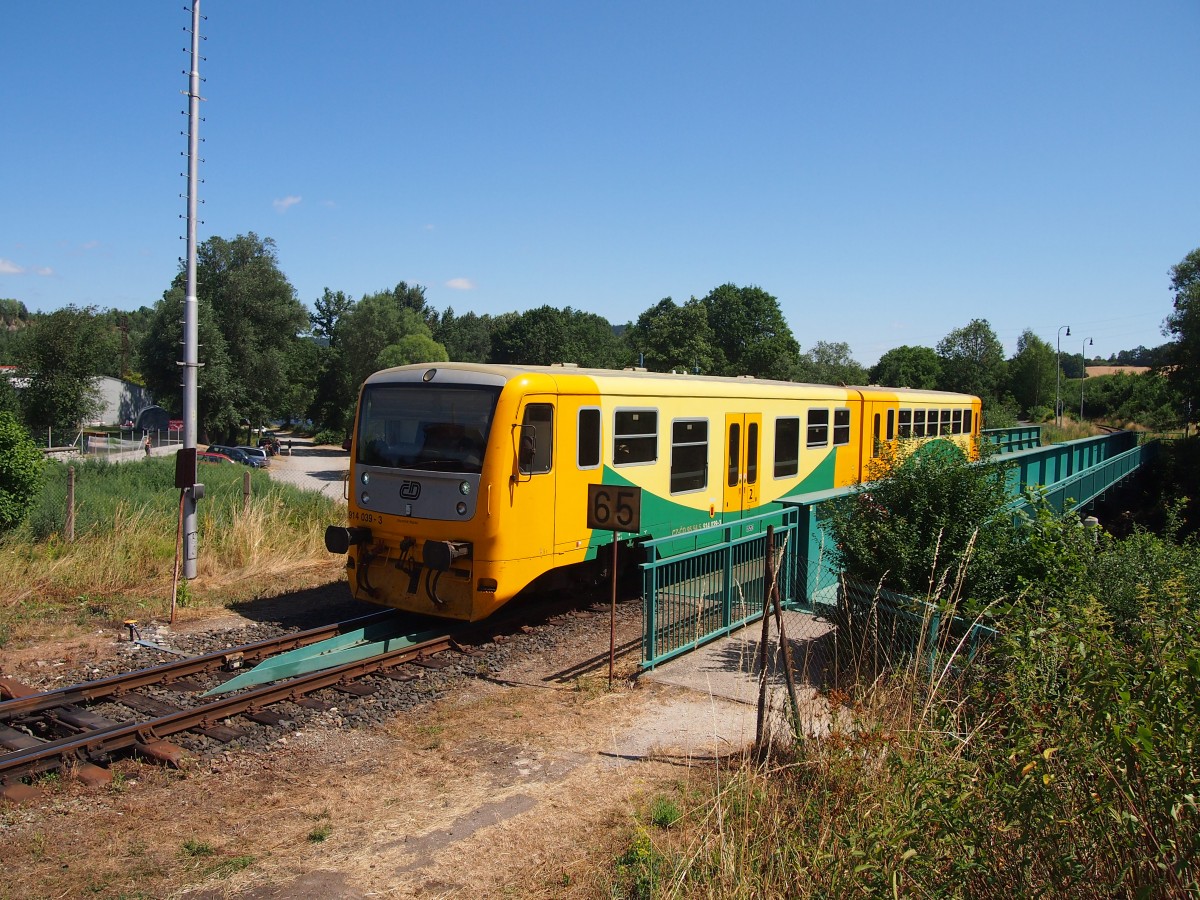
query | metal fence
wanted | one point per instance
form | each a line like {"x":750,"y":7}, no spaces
{"x":73,"y":501}
{"x":702,"y":585}
{"x":887,"y":629}
{"x":706,"y":584}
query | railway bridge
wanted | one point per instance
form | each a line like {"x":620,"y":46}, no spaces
{"x":704,"y":585}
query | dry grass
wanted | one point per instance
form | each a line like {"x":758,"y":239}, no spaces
{"x":54,"y":589}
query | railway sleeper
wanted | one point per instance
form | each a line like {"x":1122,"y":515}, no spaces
{"x":161,"y":751}
{"x":18,"y":792}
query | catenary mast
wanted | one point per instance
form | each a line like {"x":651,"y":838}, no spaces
{"x":191,"y":352}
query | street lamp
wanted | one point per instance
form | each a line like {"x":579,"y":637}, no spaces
{"x":1083,"y":381}
{"x":1058,"y":374}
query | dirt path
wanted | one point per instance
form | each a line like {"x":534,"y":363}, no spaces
{"x":528,"y":784}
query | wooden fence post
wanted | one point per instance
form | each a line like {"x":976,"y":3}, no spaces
{"x":69,"y":526}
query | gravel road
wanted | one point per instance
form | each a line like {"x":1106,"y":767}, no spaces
{"x":316,"y":467}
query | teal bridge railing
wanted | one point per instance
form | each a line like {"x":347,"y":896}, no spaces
{"x":1010,"y":440}
{"x":701,"y":585}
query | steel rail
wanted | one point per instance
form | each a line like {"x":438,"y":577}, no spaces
{"x":173,"y":671}
{"x":127,"y":734}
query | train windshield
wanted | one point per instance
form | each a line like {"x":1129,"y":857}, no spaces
{"x":418,"y":426}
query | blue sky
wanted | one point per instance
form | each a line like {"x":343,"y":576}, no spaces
{"x":888,"y":171}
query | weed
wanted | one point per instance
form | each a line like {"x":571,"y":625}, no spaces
{"x":231,"y":866}
{"x":37,"y":845}
{"x":320,"y":833}
{"x":640,"y":870}
{"x":664,"y":812}
{"x":429,"y":736}
{"x":590,"y":687}
{"x":195,"y":849}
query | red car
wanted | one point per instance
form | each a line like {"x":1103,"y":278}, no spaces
{"x":207,"y":457}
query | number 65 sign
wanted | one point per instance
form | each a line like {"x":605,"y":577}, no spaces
{"x":612,"y":507}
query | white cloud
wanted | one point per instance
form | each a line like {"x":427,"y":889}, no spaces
{"x":44,"y":271}
{"x":460,"y":284}
{"x":286,"y":203}
{"x":8,"y":267}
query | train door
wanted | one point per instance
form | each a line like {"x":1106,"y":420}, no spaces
{"x":533,"y":481}
{"x":743,"y":432}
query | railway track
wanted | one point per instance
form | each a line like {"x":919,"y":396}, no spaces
{"x":62,"y":729}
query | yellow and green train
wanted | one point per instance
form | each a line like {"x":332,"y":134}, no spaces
{"x":468,"y":483}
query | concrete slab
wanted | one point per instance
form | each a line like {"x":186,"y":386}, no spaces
{"x":709,"y":706}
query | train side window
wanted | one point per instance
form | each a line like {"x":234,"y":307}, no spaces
{"x":967,"y":429}
{"x":537,"y":439}
{"x":818,"y":428}
{"x":787,"y":447}
{"x":956,"y":421}
{"x":689,"y":455}
{"x":891,"y":425}
{"x":841,"y":427}
{"x":752,"y":453}
{"x":945,"y":421}
{"x":906,"y":423}
{"x":635,"y":437}
{"x":588,"y":456}
{"x":734,"y":455}
{"x":918,"y":423}
{"x":876,"y":444}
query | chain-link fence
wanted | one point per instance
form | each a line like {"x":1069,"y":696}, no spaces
{"x":81,"y":496}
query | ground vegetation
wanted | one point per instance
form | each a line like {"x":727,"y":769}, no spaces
{"x":1056,"y":758}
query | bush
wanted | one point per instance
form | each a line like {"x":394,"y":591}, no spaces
{"x":21,"y":465}
{"x":1062,"y":762}
{"x":914,"y":528}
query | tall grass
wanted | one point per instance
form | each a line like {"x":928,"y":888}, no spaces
{"x":1063,"y":761}
{"x":122,"y":561}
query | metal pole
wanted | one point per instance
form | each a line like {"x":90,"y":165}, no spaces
{"x":1083,"y":380}
{"x":69,"y":528}
{"x":191,"y":318}
{"x":1058,"y":375}
{"x":612,"y":617}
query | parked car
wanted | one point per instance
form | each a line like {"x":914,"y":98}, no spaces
{"x":257,"y":452}
{"x":205,"y":456}
{"x":238,"y":456}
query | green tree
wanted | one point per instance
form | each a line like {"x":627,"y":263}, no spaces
{"x":375,"y":322}
{"x":751,"y":335}
{"x":972,"y":360}
{"x":1184,"y":325}
{"x":60,"y":355}
{"x":21,"y":466}
{"x":410,"y":349}
{"x":908,"y":366}
{"x":250,"y":324}
{"x":546,"y":335}
{"x":1031,"y":372}
{"x":467,"y":338}
{"x":14,"y":319}
{"x":330,"y":308}
{"x":829,"y":362}
{"x":669,"y":337}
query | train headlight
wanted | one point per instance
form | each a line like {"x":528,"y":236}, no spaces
{"x":366,"y":477}
{"x":462,"y":508}
{"x":464,"y":487}
{"x":364,"y":498}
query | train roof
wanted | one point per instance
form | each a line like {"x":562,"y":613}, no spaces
{"x":628,"y":379}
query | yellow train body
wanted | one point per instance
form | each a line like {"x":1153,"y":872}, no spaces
{"x":470,"y":482}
